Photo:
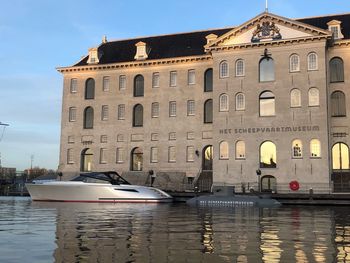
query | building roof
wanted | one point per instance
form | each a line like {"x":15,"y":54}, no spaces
{"x":187,"y":44}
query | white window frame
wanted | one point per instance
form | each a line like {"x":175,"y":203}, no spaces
{"x":223,"y":102}
{"x":312,"y":65}
{"x":240,"y":153}
{"x":314,"y":99}
{"x":155,"y":110}
{"x":104,"y":113}
{"x":294,"y":63}
{"x":105,"y":83}
{"x":240,"y":104}
{"x":121,"y":112}
{"x":224,"y":150}
{"x":155,"y":80}
{"x":172,"y":108}
{"x":122,"y":82}
{"x":314,"y":144}
{"x":224,"y":69}
{"x":240,"y":68}
{"x":191,"y":108}
{"x":295,"y":98}
{"x":72,"y":114}
{"x":191,"y":77}
{"x":73,"y":85}
{"x":173,"y":79}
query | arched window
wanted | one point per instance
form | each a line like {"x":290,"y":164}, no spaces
{"x":338,"y":104}
{"x":224,"y":73}
{"x":267,"y":103}
{"x":223,"y":102}
{"x":208,"y":80}
{"x":208,"y":111}
{"x":207,"y":158}
{"x":86,"y":162}
{"x":294,"y":63}
{"x":340,"y":156}
{"x":312,"y":63}
{"x":90,"y":89}
{"x":268,"y":155}
{"x":240,"y":101}
{"x":240,"y":150}
{"x":314,"y":97}
{"x":138,"y":86}
{"x":137,"y":116}
{"x":297,"y":149}
{"x":266,"y":69}
{"x":136,"y":159}
{"x":295,"y":98}
{"x":336,"y":68}
{"x":88,"y":118}
{"x":240,"y":68}
{"x":315,"y":148}
{"x":224,"y":150}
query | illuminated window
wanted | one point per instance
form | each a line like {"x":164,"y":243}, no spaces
{"x":240,"y":101}
{"x":315,"y":148}
{"x":223,"y":148}
{"x":240,"y":150}
{"x":87,"y":157}
{"x":295,"y":98}
{"x":266,"y":70}
{"x":314,"y":97}
{"x":338,"y":104}
{"x":340,"y":156}
{"x":268,"y":155}
{"x":223,"y":102}
{"x":240,"y":68}
{"x":267,"y":104}
{"x":136,"y":159}
{"x":294,"y":63}
{"x":297,"y":149}
{"x":224,"y":73}
{"x":312,"y":63}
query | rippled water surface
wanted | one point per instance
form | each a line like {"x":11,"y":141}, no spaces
{"x":78,"y":232}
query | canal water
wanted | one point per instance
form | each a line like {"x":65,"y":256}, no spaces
{"x":80,"y":232}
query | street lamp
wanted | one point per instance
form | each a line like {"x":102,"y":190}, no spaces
{"x":258,"y":173}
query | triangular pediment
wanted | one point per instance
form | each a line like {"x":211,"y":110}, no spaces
{"x":267,"y":27}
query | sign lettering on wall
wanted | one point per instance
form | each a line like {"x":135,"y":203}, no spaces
{"x":282,"y":129}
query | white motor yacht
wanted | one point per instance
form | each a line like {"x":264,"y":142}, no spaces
{"x":104,"y":187}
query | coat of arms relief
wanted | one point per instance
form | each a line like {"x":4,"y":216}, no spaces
{"x":266,"y":30}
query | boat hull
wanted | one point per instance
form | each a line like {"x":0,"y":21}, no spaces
{"x":95,"y":193}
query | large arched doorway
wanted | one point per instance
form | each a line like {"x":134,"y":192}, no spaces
{"x":341,"y":167}
{"x":207,"y":158}
{"x":87,"y":157}
{"x":268,"y":184}
{"x":136,"y":159}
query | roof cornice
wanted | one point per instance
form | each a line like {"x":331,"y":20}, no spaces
{"x":134,"y":64}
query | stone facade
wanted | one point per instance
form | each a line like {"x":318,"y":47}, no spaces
{"x":113,"y":140}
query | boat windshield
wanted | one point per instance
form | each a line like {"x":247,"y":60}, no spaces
{"x":101,"y":177}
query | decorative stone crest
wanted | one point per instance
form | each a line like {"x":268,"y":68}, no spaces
{"x":266,"y":30}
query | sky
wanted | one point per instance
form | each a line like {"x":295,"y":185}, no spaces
{"x":36,"y":36}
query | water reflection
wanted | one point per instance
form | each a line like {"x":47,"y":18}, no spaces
{"x":170,"y":233}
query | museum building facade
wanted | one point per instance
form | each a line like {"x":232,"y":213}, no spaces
{"x":262,"y":105}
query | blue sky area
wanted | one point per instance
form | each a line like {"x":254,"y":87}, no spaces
{"x":36,"y":36}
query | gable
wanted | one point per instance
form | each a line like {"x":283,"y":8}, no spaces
{"x":268,"y":28}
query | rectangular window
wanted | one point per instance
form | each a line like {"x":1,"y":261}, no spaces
{"x":154,"y":155}
{"x":103,"y":157}
{"x":190,"y":107}
{"x":104,"y":113}
{"x":71,"y":139}
{"x":73,"y":85}
{"x":122,"y":82}
{"x":190,"y":154}
{"x":155,"y":80}
{"x":335,"y":31}
{"x":120,"y":155}
{"x":70,"y":156}
{"x":105,"y":86}
{"x":191,"y":77}
{"x":72,"y":114}
{"x":172,"y":154}
{"x":121,"y":112}
{"x":155,"y":110}
{"x":173,"y":78}
{"x":172,"y":109}
{"x":103,"y":138}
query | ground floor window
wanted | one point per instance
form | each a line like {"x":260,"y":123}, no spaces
{"x":136,"y":159}
{"x":268,"y":183}
{"x":87,"y":157}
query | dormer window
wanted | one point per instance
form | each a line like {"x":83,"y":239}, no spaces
{"x":141,"y":51}
{"x":334,"y":27}
{"x":211,"y":38}
{"x":94,"y":56}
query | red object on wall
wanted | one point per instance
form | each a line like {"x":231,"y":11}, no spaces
{"x":294,"y":185}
